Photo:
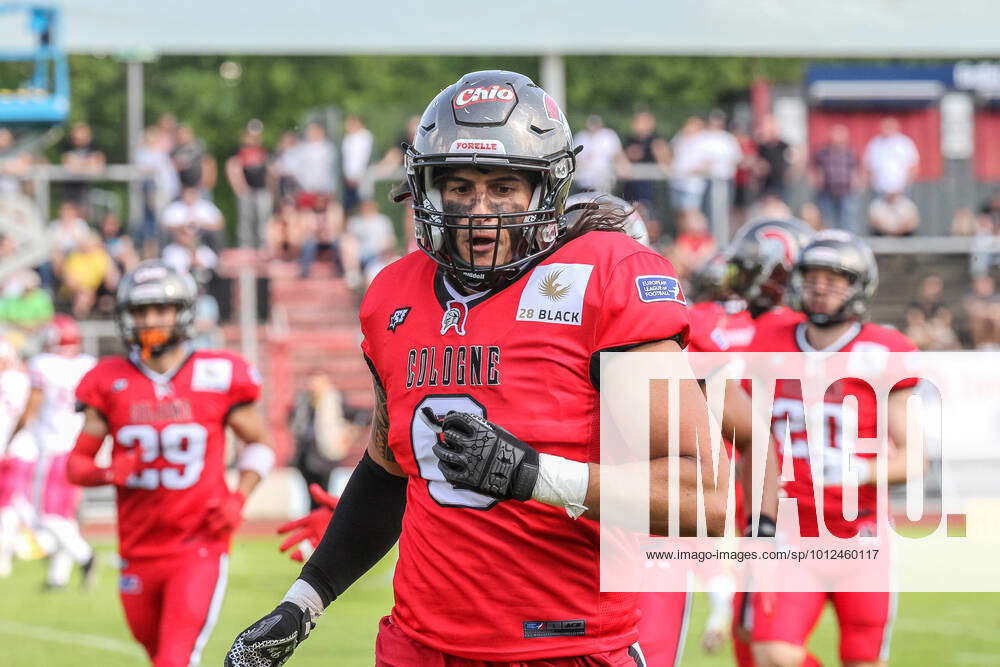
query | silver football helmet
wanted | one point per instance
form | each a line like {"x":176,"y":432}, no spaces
{"x":491,"y":119}
{"x":848,"y":255}
{"x":155,"y":282}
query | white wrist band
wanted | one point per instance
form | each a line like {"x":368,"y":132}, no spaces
{"x":562,"y":483}
{"x":257,"y":458}
{"x":304,"y":596}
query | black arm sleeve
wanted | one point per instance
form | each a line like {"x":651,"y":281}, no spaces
{"x":365,"y":525}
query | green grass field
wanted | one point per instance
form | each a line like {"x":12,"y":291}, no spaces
{"x":86,"y":629}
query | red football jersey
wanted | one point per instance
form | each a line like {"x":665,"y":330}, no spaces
{"x":510,"y":581}
{"x":788,"y":413}
{"x":708,"y":323}
{"x":179,"y":422}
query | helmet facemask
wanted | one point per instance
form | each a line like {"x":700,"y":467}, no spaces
{"x":441,"y":228}
{"x":152,"y":342}
{"x":852,"y":307}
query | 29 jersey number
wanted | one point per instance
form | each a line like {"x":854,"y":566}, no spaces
{"x":179,"y":444}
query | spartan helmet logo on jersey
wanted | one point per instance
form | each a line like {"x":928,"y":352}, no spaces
{"x":843,"y":253}
{"x":760,"y":258}
{"x":489,"y":120}
{"x":154,"y":282}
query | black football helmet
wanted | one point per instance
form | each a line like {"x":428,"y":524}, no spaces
{"x":760,"y":258}
{"x":848,"y":255}
{"x":491,"y":119}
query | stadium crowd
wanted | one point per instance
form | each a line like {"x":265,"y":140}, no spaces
{"x":309,"y":201}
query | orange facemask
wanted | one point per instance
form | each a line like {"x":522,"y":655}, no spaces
{"x":150,"y":339}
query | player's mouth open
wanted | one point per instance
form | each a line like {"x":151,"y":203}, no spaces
{"x":483,"y":242}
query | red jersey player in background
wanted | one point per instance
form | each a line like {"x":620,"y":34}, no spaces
{"x":51,"y":420}
{"x":755,"y":268}
{"x":166,"y":408}
{"x":501,"y":317}
{"x":833,"y":282}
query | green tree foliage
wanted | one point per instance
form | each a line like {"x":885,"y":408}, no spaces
{"x":385,"y":90}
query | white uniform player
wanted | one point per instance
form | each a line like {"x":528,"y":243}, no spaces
{"x":54,"y":423}
{"x":16,"y":460}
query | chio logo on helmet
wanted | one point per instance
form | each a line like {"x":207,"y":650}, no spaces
{"x":476,"y":95}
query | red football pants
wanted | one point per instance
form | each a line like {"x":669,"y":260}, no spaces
{"x":663,"y":626}
{"x":172,"y":603}
{"x":865,"y":620}
{"x":393,"y":648}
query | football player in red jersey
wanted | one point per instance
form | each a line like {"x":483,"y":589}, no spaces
{"x":833,"y":281}
{"x":500,"y":320}
{"x":167,"y":407}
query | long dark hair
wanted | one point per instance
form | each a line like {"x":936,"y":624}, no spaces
{"x":598,"y":216}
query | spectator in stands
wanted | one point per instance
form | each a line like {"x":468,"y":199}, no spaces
{"x":315,"y":168}
{"x":283,"y":166}
{"x":774,"y":158}
{"x":985,"y":228}
{"x":745,"y":178}
{"x":929,"y":322}
{"x":14,"y":163}
{"x":247,"y":174}
{"x":322,"y":433}
{"x":88,"y":272}
{"x":372,"y":231}
{"x":722,"y":153}
{"x":195,"y":167}
{"x":690,"y":167}
{"x":356,"y":149}
{"x":207,"y":334}
{"x":285,"y":233}
{"x":694,"y":244}
{"x":325,"y":236}
{"x":160,"y":188}
{"x":24,"y":304}
{"x":891,"y":159}
{"x":193,"y":209}
{"x":644,"y":146}
{"x":963,"y":222}
{"x":393,"y":157}
{"x":118,"y":244}
{"x":893,"y":214}
{"x":188,"y":254}
{"x":809,"y":213}
{"x":982,"y":308}
{"x":602,"y":154}
{"x":167,"y":125}
{"x":66,"y":233}
{"x":837,"y":178}
{"x":80,"y":156}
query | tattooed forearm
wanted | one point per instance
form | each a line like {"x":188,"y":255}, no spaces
{"x":380,"y":422}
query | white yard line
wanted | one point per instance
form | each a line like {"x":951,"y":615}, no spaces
{"x":73,"y":638}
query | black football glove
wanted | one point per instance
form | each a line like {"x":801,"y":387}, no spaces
{"x":765,"y":527}
{"x":477,"y":455}
{"x":270,"y":641}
